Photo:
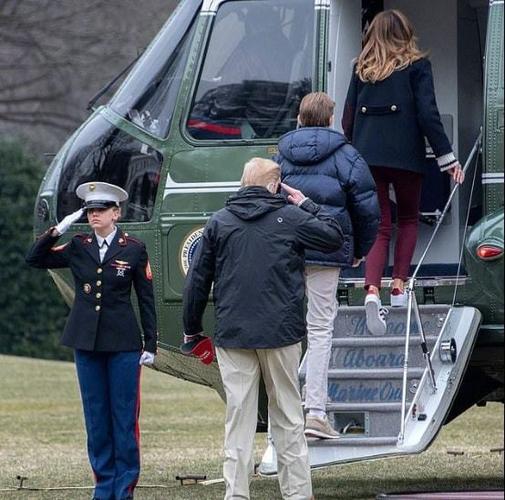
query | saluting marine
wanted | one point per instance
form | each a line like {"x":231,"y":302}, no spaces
{"x":104,"y":333}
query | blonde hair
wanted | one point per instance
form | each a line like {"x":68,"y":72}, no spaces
{"x":390,"y":44}
{"x":316,"y":110}
{"x":260,"y":172}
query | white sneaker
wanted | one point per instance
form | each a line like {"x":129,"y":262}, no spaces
{"x":375,"y":315}
{"x":399,"y":298}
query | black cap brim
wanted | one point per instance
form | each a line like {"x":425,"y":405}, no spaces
{"x":99,"y":204}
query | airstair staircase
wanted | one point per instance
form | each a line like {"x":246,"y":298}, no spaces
{"x":390,"y":395}
{"x":365,"y":384}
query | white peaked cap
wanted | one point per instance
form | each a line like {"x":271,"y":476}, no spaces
{"x":101,"y":194}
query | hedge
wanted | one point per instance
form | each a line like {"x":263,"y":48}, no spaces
{"x":32,"y":313}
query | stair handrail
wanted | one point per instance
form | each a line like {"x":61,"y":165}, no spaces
{"x":412,"y":301}
{"x":473,"y":152}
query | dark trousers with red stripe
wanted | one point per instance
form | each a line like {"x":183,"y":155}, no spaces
{"x":110,"y":391}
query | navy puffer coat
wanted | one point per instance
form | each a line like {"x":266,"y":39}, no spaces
{"x":326,"y":168}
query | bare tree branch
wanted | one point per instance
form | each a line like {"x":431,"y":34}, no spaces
{"x":55,"y":54}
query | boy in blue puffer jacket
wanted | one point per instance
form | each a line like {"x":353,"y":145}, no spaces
{"x":321,"y":163}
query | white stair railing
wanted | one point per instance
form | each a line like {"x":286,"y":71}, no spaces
{"x":413,"y":306}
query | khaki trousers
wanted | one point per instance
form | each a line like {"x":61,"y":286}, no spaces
{"x":241,"y":370}
{"x":321,"y":289}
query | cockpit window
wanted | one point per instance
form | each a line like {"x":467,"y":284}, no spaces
{"x":102,"y":152}
{"x":257,"y":69}
{"x":148,"y":97}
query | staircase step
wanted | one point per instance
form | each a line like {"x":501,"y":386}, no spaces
{"x":361,"y":407}
{"x":369,"y":391}
{"x":354,"y":441}
{"x":375,"y":358}
{"x":431,"y":276}
{"x":374,"y":374}
{"x":351,"y":322}
{"x":342,"y":342}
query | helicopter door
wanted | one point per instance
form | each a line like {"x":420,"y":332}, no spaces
{"x":455,"y":53}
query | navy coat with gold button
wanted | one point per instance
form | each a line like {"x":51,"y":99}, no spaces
{"x":387,"y":121}
{"x":102,"y":316}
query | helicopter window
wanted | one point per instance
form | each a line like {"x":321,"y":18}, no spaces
{"x":102,"y":152}
{"x":148,"y":97}
{"x":258,"y":67}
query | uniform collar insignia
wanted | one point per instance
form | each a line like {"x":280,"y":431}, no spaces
{"x":122,"y":239}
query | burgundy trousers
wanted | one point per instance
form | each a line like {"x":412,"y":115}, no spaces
{"x":407,"y":187}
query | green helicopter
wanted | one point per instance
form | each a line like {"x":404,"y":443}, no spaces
{"x":220,"y":83}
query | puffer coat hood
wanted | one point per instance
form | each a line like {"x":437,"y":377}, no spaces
{"x":325,"y":167}
{"x":310,"y":146}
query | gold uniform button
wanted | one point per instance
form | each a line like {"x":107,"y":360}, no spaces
{"x":97,"y":308}
{"x":98,"y":295}
{"x":364,"y":109}
{"x":394,"y":107}
{"x":99,"y":270}
{"x":98,"y":283}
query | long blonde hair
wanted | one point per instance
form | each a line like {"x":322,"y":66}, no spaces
{"x":390,"y":44}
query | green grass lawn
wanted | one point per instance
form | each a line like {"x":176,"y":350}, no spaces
{"x":42,"y":438}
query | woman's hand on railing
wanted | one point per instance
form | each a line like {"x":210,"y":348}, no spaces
{"x":457,"y":173}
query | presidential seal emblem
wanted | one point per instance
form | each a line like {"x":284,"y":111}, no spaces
{"x":188,"y":249}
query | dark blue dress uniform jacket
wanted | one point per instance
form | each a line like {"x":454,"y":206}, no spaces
{"x":387,"y":121}
{"x":326,"y":168}
{"x":102,"y":316}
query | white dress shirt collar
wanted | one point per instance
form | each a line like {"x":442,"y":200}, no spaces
{"x":108,"y":238}
{"x":103,"y":248}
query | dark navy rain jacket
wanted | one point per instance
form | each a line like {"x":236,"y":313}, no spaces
{"x":253,"y":251}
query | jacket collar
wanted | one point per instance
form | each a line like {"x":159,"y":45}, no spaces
{"x":108,"y":239}
{"x":116,"y":244}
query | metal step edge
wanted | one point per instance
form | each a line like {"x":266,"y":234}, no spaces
{"x":358,"y":407}
{"x":353,"y":441}
{"x":380,"y":342}
{"x":393,"y":373}
{"x":426,"y":282}
{"x":435,"y":308}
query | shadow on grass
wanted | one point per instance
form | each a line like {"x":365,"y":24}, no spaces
{"x":370,"y":488}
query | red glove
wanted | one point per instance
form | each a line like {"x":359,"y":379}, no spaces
{"x":200,"y":346}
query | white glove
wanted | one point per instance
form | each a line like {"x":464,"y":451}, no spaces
{"x":63,"y":226}
{"x":147,"y":358}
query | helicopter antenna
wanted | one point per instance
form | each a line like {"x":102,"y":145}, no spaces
{"x":107,"y":87}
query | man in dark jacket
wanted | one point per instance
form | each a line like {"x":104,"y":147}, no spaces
{"x":253,"y":251}
{"x":323,"y":165}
